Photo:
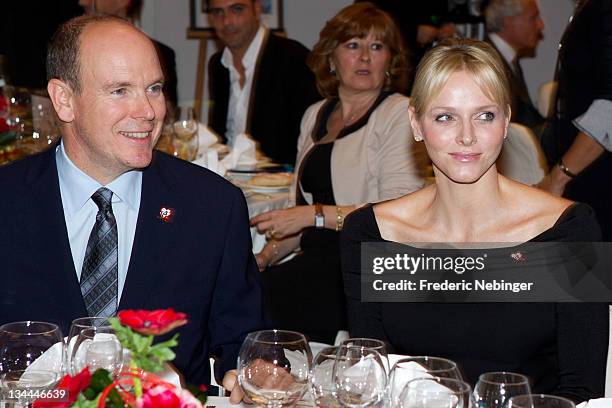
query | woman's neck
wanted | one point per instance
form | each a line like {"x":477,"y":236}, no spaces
{"x":354,"y":104}
{"x":468,"y":211}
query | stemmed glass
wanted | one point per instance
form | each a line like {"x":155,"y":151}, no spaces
{"x":273,"y":367}
{"x":409,"y":368}
{"x":436,"y":392}
{"x":31,"y":356}
{"x":374,"y":344}
{"x":494,"y":389}
{"x":96,"y":347}
{"x":185,"y":140}
{"x":539,"y":401}
{"x":322,"y":384}
{"x":359,"y":376}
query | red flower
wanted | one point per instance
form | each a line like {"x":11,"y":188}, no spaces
{"x":72,"y":385}
{"x":203,"y":388}
{"x":152,"y":322}
{"x":159,"y":397}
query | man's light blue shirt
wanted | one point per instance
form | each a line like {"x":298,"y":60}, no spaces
{"x":80,"y":211}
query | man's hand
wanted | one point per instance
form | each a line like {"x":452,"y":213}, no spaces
{"x":230,"y":383}
{"x":262,"y":374}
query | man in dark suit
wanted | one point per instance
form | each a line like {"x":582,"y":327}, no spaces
{"x":515,"y":29}
{"x":101,"y":222}
{"x":259,"y":83}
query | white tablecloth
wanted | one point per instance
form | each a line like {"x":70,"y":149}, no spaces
{"x":259,"y":203}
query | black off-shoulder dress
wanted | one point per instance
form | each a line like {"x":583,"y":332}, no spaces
{"x":562,"y":347}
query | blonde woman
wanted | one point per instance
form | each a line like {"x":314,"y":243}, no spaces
{"x":460,"y":110}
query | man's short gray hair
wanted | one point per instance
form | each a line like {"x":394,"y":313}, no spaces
{"x":497,"y":10}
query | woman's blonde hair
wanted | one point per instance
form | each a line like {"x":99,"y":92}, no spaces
{"x":453,"y":55}
{"x":358,"y":20}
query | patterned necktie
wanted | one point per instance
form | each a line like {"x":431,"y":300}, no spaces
{"x":99,"y":273}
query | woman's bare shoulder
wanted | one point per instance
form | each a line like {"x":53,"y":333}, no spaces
{"x":402,"y":218}
{"x":535,"y":210}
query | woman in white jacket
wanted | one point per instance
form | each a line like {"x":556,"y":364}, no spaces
{"x":355,"y":147}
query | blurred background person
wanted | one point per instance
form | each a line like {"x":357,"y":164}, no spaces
{"x":259,"y":82}
{"x":460,"y":108}
{"x":582,"y":168}
{"x":514,"y":28}
{"x":131,"y":10}
{"x":355,"y":147}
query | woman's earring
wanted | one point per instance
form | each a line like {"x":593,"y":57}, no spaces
{"x":418,"y":138}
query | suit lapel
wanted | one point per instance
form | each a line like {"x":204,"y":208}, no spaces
{"x":258,"y":78}
{"x":153,"y":236}
{"x":51,"y":239}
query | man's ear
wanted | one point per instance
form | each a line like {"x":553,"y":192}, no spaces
{"x":61,"y":95}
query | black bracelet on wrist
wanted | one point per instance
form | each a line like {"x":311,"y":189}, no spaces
{"x":565,"y":170}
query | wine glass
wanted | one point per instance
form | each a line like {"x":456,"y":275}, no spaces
{"x":75,"y":329}
{"x":539,"y":401}
{"x":31,"y":356}
{"x":409,"y":368}
{"x":322,"y":383}
{"x":96,"y":347}
{"x":359,"y":376}
{"x":273,"y":367}
{"x":20,"y":386}
{"x":185,"y":140}
{"x":494,"y":389}
{"x":436,"y":392}
{"x":373,"y":344}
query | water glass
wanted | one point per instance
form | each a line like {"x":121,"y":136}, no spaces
{"x":96,"y":347}
{"x":409,"y":368}
{"x":31,"y":357}
{"x":23,"y":344}
{"x":21,"y":385}
{"x":322,"y":383}
{"x":539,"y":401}
{"x":493,"y":390}
{"x":436,"y":392}
{"x":273,"y":367}
{"x":373,"y":344}
{"x":185,"y":138}
{"x":359,"y":376}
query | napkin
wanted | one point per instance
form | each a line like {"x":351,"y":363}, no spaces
{"x":210,"y":160}
{"x":366,"y":367}
{"x":596,"y":403}
{"x":206,"y":137}
{"x":243,"y":153}
{"x":50,"y":360}
{"x":107,"y":345}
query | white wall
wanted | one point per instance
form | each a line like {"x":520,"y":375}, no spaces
{"x":167,"y":21}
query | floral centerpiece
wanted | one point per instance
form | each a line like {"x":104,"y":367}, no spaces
{"x":136,"y":385}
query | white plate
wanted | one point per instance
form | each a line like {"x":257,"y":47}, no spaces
{"x":262,"y":189}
